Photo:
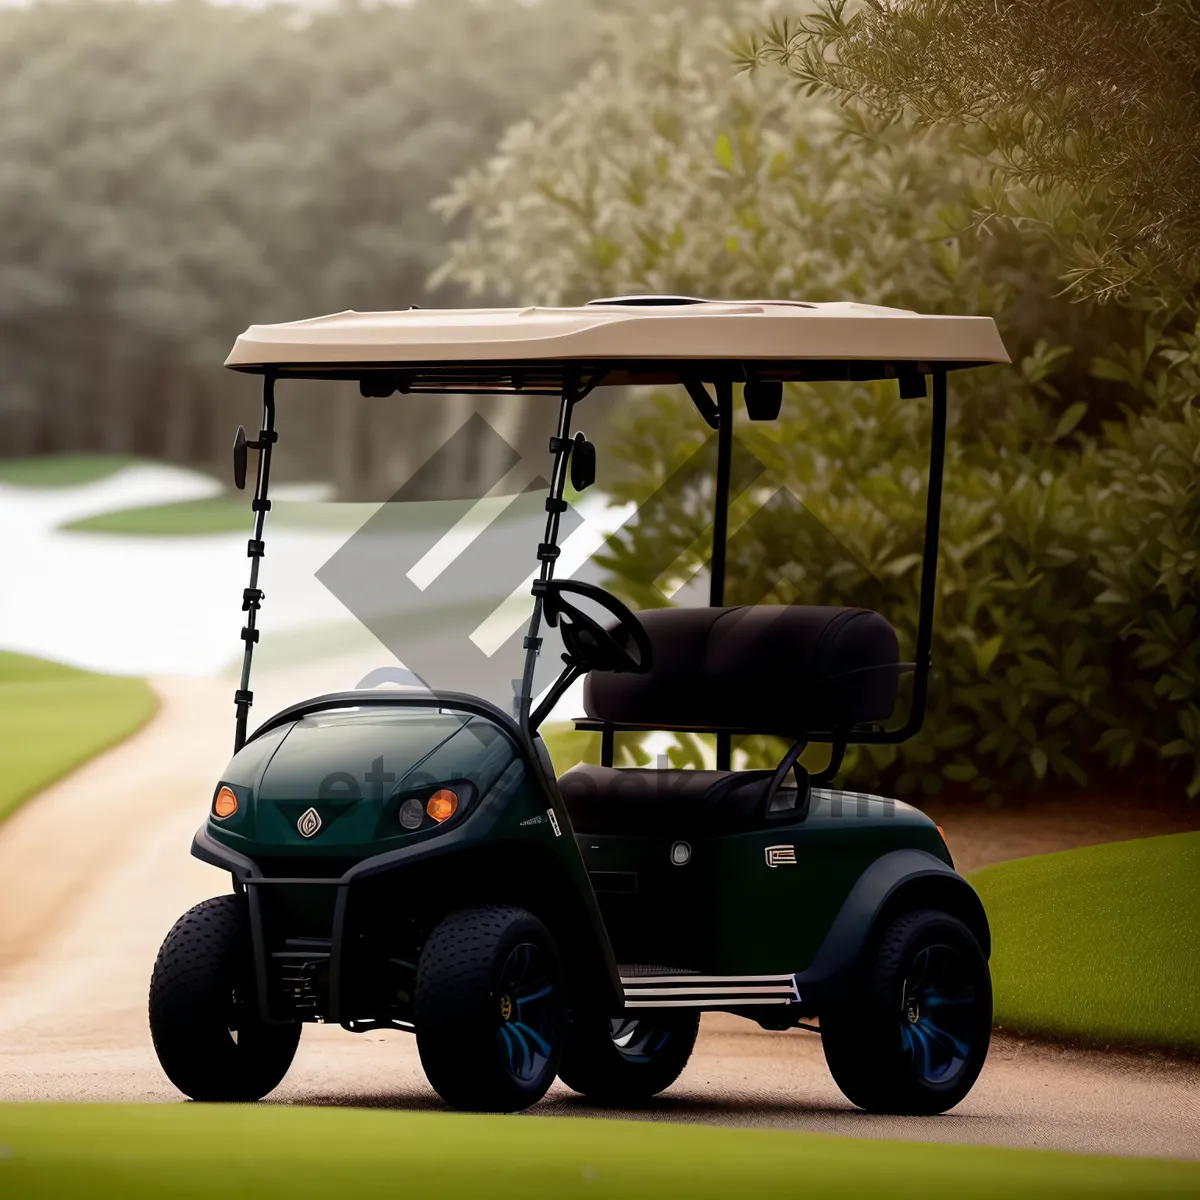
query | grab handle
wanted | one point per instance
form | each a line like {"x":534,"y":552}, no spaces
{"x":788,"y":763}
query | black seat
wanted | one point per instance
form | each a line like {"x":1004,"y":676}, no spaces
{"x":781,"y":669}
{"x":668,"y":802}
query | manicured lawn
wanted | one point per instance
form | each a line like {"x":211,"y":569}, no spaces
{"x":221,"y":514}
{"x":245,"y":1151}
{"x":231,"y":514}
{"x":61,"y":470}
{"x":1102,"y":942}
{"x":55,"y":717}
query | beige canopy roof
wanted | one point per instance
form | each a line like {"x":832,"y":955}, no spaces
{"x":643,"y":340}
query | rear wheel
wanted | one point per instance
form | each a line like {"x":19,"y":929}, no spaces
{"x":488,"y":1009}
{"x":629,"y":1059}
{"x":913,"y":1039}
{"x":203,"y":1018}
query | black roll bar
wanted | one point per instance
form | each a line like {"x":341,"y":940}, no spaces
{"x":252,"y":597}
{"x":573,"y":391}
{"x":839,"y":739}
{"x":560,"y":447}
{"x":720,"y":538}
{"x":929,"y":564}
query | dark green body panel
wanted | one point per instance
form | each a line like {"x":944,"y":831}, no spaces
{"x":774,"y":919}
{"x":727,"y":911}
{"x":785,"y":896}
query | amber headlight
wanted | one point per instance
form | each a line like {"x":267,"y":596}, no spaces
{"x":225,"y":804}
{"x":442,"y":805}
{"x":433,"y":806}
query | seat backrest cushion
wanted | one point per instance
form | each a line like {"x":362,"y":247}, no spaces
{"x":782,"y":669}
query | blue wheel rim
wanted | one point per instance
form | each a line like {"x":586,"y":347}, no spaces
{"x":527,"y":1003}
{"x":937,"y":1015}
{"x":638,"y":1040}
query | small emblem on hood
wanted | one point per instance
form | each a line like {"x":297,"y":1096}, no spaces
{"x":309,"y":824}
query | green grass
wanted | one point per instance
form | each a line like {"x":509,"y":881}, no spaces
{"x":1101,"y":943}
{"x":231,"y":514}
{"x":255,"y":1152}
{"x":221,"y":514}
{"x":55,"y":717}
{"x":62,"y":470}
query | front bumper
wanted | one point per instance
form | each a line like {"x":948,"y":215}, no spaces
{"x":325,"y":899}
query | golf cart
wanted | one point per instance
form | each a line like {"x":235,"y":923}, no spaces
{"x":525,"y":926}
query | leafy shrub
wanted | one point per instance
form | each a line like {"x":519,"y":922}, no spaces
{"x":1067,"y":633}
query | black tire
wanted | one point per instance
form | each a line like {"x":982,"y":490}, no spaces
{"x":913,"y":1037}
{"x":203,"y":1018}
{"x":489,"y":1009}
{"x":628,"y":1060}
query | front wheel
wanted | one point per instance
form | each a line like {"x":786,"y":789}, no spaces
{"x":203,"y":1018}
{"x":629,"y":1059}
{"x":488,"y":1009}
{"x":913,"y":1039}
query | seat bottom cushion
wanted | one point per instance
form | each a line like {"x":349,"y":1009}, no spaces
{"x":667,"y":802}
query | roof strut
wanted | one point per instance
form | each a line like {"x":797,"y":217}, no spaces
{"x":925,"y":604}
{"x":724,"y":409}
{"x":252,"y":597}
{"x":560,"y":446}
{"x":703,"y":401}
{"x":716,"y":585}
{"x":929,"y":562}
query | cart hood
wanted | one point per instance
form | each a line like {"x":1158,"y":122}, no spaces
{"x":354,"y":768}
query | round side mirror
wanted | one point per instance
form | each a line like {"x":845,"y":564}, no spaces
{"x":239,"y":459}
{"x":583,"y":463}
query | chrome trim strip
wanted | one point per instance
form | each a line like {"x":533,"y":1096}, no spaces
{"x":688,"y":980}
{"x":709,"y":991}
{"x":710,"y":1002}
{"x":732,"y":989}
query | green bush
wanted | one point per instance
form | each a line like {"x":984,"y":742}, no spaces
{"x":1067,"y":634}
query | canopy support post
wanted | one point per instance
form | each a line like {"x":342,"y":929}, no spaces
{"x":560,"y":446}
{"x":929,"y":564}
{"x":252,"y":597}
{"x":716,"y":586}
{"x":703,"y":401}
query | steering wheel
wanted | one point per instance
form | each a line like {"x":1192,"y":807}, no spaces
{"x":589,"y":644}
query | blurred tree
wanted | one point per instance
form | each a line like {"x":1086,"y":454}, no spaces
{"x":1088,"y":111}
{"x":1086,"y":114}
{"x":172,"y":172}
{"x":1058,"y":643}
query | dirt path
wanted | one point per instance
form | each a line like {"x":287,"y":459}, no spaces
{"x":95,"y":871}
{"x":978,"y":835}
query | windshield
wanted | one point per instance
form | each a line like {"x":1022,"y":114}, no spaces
{"x":424,"y":590}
